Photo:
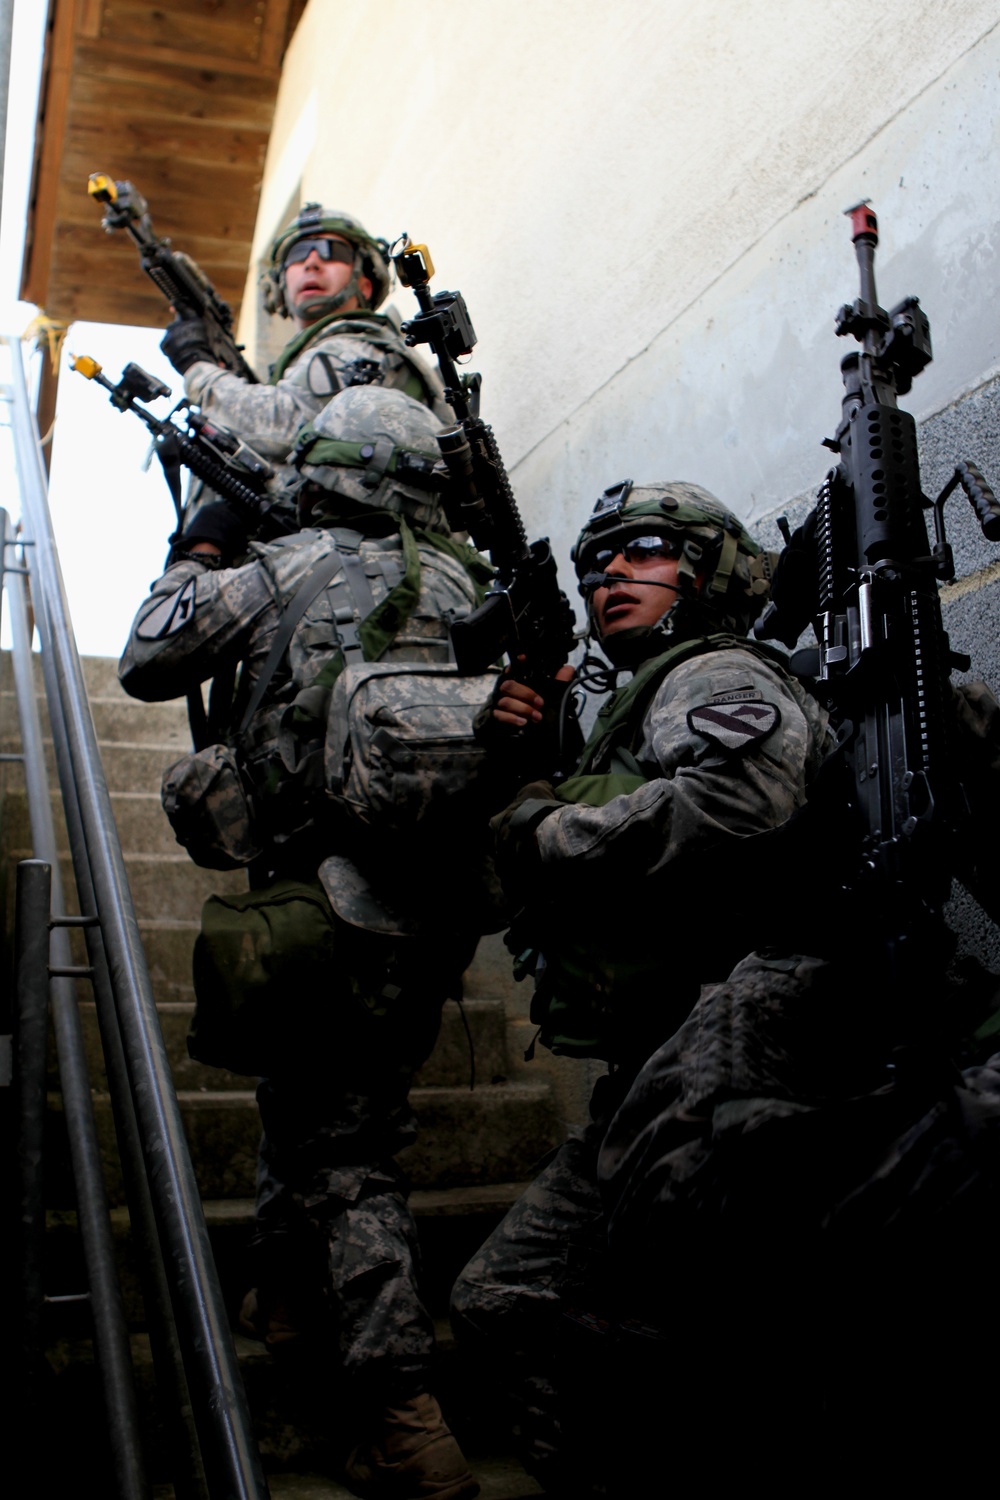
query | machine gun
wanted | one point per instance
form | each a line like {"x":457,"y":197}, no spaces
{"x":179,"y":278}
{"x":232,"y":469}
{"x":525,"y":613}
{"x":884,"y":659}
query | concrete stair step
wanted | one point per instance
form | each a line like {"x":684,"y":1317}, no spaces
{"x":139,"y":817}
{"x":448,"y":1065}
{"x":100,"y":674}
{"x":495,"y":1133}
{"x":165,"y":887}
{"x":118,"y":717}
{"x":294,"y":1420}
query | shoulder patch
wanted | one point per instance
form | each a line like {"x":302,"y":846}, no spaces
{"x":170,"y":615}
{"x":734,"y":726}
{"x":322,"y":377}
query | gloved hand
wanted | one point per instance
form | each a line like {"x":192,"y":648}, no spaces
{"x":516,"y":851}
{"x":186,"y":342}
{"x":219,"y":525}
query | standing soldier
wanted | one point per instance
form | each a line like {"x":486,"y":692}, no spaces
{"x":614,"y":880}
{"x":329,"y":275}
{"x":337,"y":1006}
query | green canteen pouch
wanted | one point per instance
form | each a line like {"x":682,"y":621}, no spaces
{"x":264,"y":976}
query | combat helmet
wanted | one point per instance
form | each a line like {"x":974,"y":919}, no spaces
{"x":375,"y":447}
{"x":370,"y":259}
{"x":722,"y":574}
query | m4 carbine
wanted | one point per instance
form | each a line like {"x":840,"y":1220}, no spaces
{"x":227,"y":465}
{"x":863,"y":571}
{"x":525,"y":616}
{"x":179,"y":278}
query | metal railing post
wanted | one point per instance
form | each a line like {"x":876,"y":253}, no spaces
{"x":31,"y":971}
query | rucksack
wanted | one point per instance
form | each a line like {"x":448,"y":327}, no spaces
{"x":389,"y":741}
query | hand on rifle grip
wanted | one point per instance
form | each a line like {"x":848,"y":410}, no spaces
{"x":519,"y":704}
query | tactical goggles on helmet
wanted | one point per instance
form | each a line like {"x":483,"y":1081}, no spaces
{"x":326,"y":249}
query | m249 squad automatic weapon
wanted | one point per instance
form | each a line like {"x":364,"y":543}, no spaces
{"x":525,"y":613}
{"x":227,"y":465}
{"x":178,"y":277}
{"x":863,"y":571}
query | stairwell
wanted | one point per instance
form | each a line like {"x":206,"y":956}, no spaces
{"x":475,"y":1152}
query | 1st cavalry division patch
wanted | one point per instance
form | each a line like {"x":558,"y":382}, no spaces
{"x":734,"y":726}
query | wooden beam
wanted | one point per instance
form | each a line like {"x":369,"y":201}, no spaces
{"x":57,"y":69}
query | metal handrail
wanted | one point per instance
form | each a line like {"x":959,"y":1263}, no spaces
{"x":110,"y":1333}
{"x":231,"y":1459}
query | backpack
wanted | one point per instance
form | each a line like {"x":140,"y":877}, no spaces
{"x":367,"y":723}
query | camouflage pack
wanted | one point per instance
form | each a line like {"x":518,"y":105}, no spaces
{"x":204,"y":797}
{"x":400,"y":751}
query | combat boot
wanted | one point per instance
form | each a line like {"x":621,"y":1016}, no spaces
{"x":412,"y":1456}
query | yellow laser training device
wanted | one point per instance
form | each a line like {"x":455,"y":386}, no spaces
{"x":103,"y":188}
{"x":84,"y":365}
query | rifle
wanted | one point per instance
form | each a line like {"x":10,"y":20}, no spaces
{"x":525,"y":613}
{"x":228,"y":465}
{"x":884,"y":659}
{"x":179,"y":278}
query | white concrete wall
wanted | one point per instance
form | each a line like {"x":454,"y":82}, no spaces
{"x":642,"y":204}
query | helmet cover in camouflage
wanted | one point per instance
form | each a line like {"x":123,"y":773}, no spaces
{"x":369,"y":445}
{"x":713,"y":545}
{"x":312,"y":220}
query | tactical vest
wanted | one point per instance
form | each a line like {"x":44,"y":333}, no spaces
{"x":593,"y":998}
{"x":402,"y":370}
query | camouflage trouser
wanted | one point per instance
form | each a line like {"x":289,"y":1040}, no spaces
{"x":831,"y":1221}
{"x":527,"y":1311}
{"x":336,"y":1243}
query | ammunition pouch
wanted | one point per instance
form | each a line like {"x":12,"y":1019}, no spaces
{"x":205,"y":799}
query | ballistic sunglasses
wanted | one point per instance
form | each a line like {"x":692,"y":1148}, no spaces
{"x":325,"y":249}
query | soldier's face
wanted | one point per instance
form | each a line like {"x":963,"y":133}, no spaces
{"x":642,"y":590}
{"x":310,"y":279}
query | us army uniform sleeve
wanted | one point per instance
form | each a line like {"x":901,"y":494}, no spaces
{"x":733,"y":742}
{"x":194,"y":619}
{"x":265,"y":416}
{"x":269,"y":417}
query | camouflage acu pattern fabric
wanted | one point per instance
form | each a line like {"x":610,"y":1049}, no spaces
{"x":405,"y":756}
{"x":689,"y":756}
{"x":196,"y":618}
{"x":533,"y":1313}
{"x":771,"y":1185}
{"x":773,"y":1106}
{"x":206,"y":803}
{"x":724,"y":751}
{"x":337,"y":1243}
{"x":268,"y":417}
{"x":383,"y":423}
{"x":648,"y":872}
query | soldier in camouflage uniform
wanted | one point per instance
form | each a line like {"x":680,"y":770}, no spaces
{"x":752,"y":1255}
{"x":610,"y":874}
{"x":329,"y":275}
{"x":335,"y":1231}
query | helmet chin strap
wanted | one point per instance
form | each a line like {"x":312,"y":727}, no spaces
{"x":314,"y":308}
